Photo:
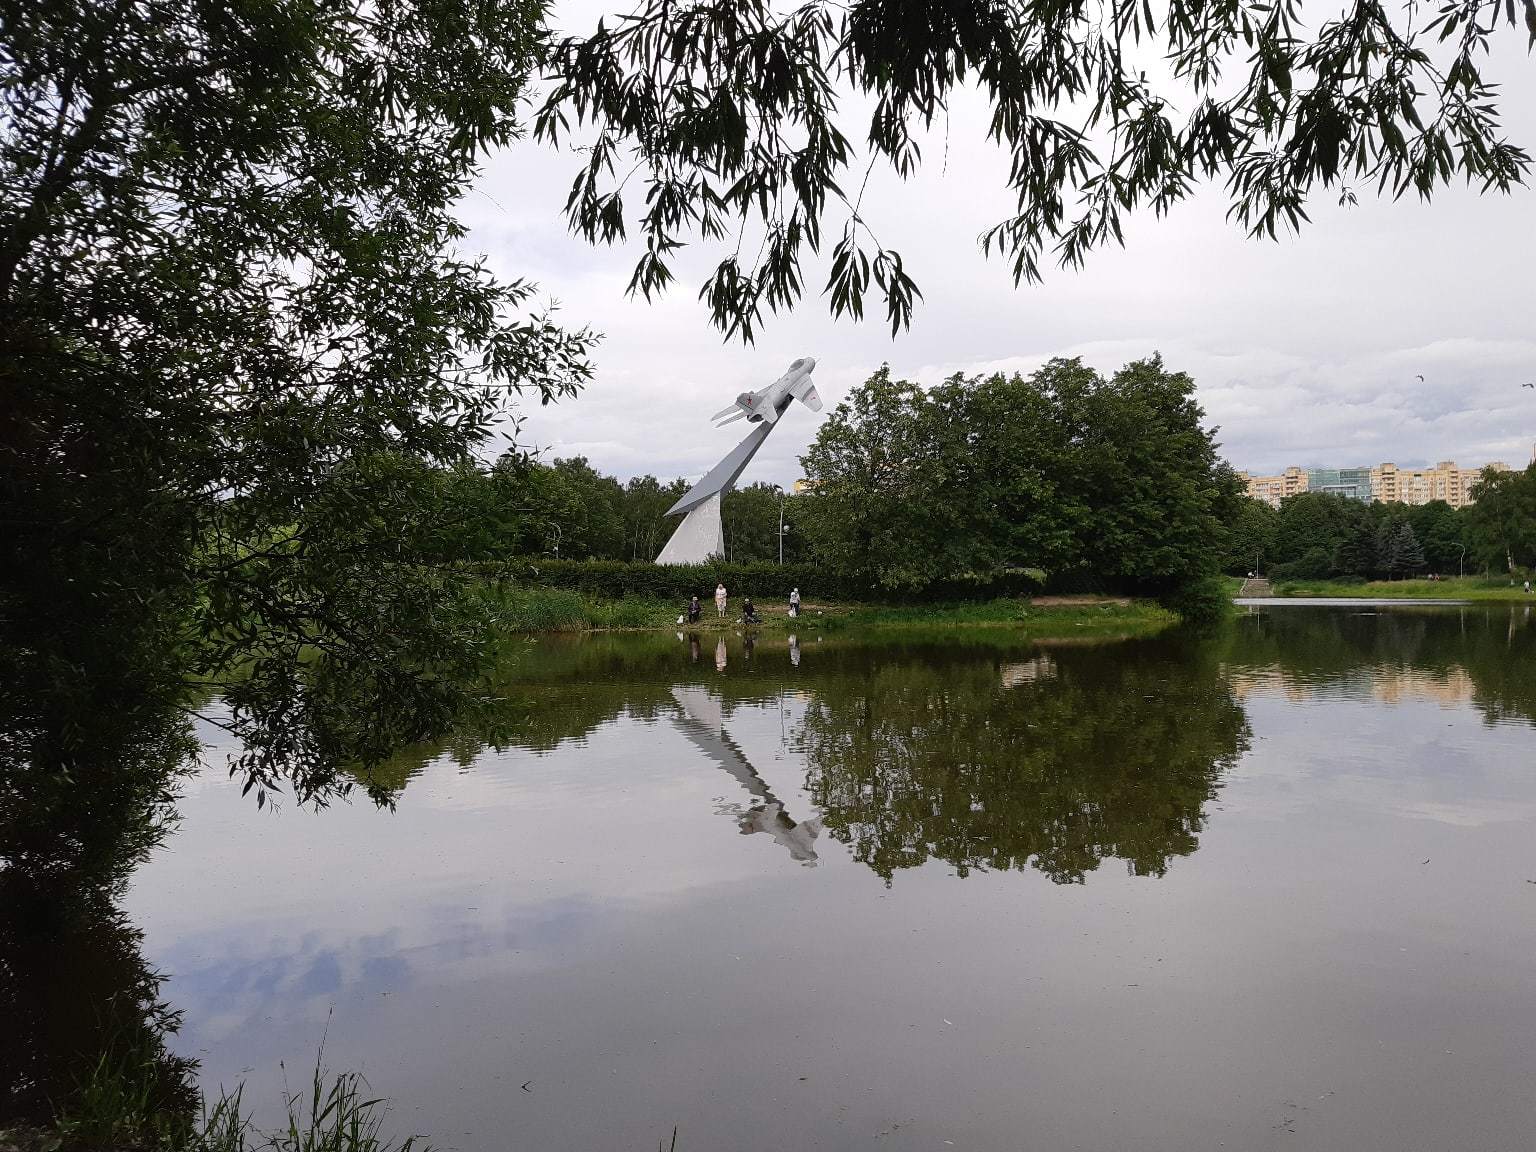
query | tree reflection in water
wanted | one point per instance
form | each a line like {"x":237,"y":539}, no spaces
{"x":79,"y":1005}
{"x":81,"y":1008}
{"x":1053,"y":763}
{"x":1484,"y":655}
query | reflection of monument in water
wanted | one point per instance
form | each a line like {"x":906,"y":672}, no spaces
{"x":703,"y":722}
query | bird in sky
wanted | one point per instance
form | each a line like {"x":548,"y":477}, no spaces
{"x":1421,"y":379}
{"x":1528,"y":384}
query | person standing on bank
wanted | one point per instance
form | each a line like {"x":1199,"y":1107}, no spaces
{"x":720,"y":600}
{"x":694,"y":610}
{"x":794,"y":602}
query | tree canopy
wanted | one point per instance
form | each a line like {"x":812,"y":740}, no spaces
{"x":237,"y":342}
{"x":1503,"y":520}
{"x":732,"y":124}
{"x":1318,"y":535}
{"x":1112,"y":481}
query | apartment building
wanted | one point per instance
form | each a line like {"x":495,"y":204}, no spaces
{"x":1273,"y":489}
{"x":1445,"y":481}
{"x":1384,"y":483}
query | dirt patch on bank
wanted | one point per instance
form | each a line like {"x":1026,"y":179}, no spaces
{"x":1078,"y":601}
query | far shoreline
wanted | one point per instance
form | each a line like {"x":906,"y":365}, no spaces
{"x":1451,"y":590}
{"x":535,"y":611}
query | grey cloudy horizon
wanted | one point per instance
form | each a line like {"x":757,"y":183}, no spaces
{"x":1304,"y":352}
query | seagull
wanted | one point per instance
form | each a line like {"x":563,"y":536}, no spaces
{"x":1528,"y":385}
{"x":1421,"y":379}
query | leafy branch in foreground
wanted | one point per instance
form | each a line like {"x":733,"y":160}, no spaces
{"x":231,"y":285}
{"x":728,"y":114}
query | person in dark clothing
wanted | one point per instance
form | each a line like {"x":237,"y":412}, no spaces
{"x":694,"y":610}
{"x":749,"y":613}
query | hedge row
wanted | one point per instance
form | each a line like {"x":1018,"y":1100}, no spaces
{"x":767,"y":583}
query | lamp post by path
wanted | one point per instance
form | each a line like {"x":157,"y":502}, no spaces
{"x":1461,"y":561}
{"x":556,"y":527}
{"x":780,"y":491}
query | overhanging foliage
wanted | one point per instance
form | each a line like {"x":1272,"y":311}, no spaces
{"x":724,"y":120}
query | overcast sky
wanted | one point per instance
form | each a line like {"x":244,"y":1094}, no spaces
{"x":1304,"y":351}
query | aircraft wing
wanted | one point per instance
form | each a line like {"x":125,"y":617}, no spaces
{"x":727,"y":416}
{"x":806,"y":393}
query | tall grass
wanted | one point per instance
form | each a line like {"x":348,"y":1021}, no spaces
{"x":338,"y":1116}
{"x":524,"y":609}
{"x":118,"y":1107}
{"x":128,"y":1099}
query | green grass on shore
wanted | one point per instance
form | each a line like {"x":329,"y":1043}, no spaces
{"x":565,"y":610}
{"x":1068,"y":616}
{"x":529,"y":609}
{"x":1451,"y":588}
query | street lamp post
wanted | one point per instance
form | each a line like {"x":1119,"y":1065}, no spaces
{"x":780,"y":491}
{"x":556,"y":527}
{"x":1461,"y":561}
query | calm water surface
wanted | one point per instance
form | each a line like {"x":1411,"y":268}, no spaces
{"x":1270,"y":889}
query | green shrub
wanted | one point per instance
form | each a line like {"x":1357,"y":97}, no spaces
{"x":1313,"y":565}
{"x":1201,"y":601}
{"x":632,"y":612}
{"x":765,"y":583}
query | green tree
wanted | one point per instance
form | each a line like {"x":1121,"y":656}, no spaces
{"x":734,"y":117}
{"x":1441,"y":530}
{"x":750,"y":519}
{"x":874,"y":508}
{"x":1008,"y":468}
{"x":1501,"y":525}
{"x":1251,"y":544}
{"x":1112,"y":482}
{"x":589,"y":523}
{"x":234,"y":317}
{"x":1321,"y":534}
{"x":646,"y":524}
{"x":1161,"y":497}
{"x":1399,"y":553}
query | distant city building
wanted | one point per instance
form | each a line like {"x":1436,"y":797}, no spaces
{"x":1444,"y":481}
{"x":803,"y":486}
{"x":1353,"y":483}
{"x":1385,"y":483}
{"x":1273,"y":489}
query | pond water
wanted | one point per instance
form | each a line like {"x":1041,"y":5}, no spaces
{"x":1273,"y":888}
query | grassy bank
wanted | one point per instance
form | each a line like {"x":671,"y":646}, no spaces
{"x":1452,"y":588}
{"x":1074,"y":615}
{"x":112,"y":1112}
{"x":529,"y":609}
